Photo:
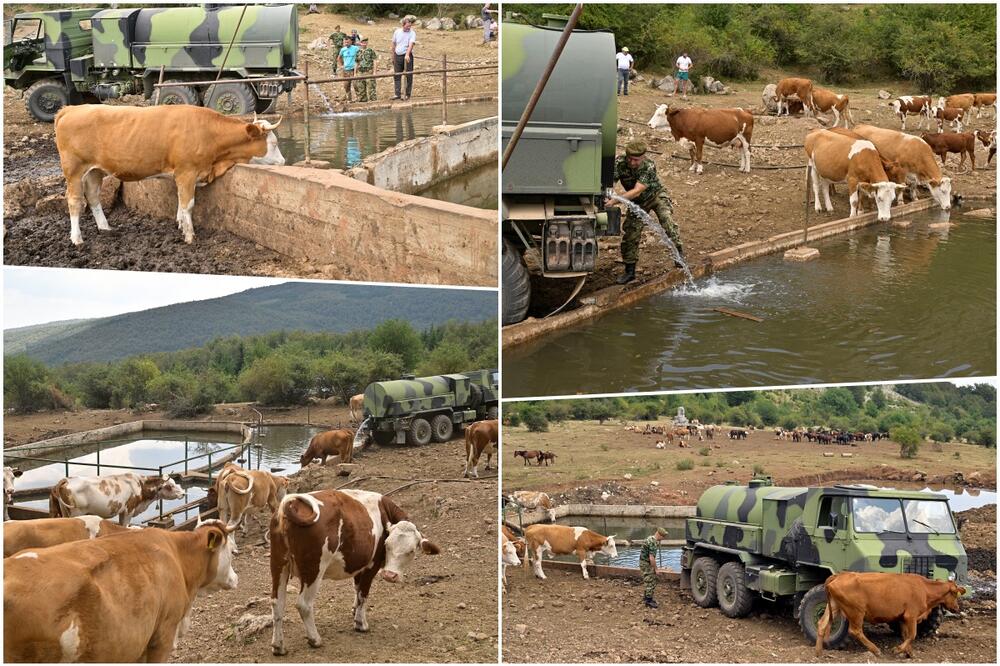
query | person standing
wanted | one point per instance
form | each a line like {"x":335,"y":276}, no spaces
{"x":348,"y":61}
{"x":638,"y":176}
{"x":402,"y":57}
{"x":647,"y":565}
{"x":487,"y":16}
{"x":337,"y":41}
{"x":625,"y":62}
{"x":683,"y":75}
{"x":365,"y":88}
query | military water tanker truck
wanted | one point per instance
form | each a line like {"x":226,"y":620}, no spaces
{"x":781,"y":544}
{"x":553,"y":186}
{"x":418,"y":410}
{"x":79,"y":56}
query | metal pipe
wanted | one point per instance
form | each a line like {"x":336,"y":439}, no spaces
{"x":158,"y":85}
{"x":805,"y":232}
{"x":444,"y":89}
{"x":540,"y":86}
{"x":185,"y":455}
{"x":261,"y":79}
{"x":305,"y":67}
{"x":339,"y":79}
{"x":231,"y":42}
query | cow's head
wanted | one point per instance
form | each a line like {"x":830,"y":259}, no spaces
{"x":401,"y":546}
{"x":951,"y":595}
{"x":161,"y":487}
{"x":508,"y":553}
{"x":941,"y":191}
{"x":941,"y":102}
{"x":986,"y":138}
{"x":660,"y":119}
{"x":262,"y":130}
{"x":884,"y":194}
{"x":280,"y":486}
{"x":609,"y":548}
{"x":214,"y":538}
{"x":9,"y":474}
{"x":894,"y":171}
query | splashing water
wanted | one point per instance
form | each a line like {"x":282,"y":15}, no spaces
{"x":363,"y":436}
{"x":658,"y":230}
{"x":715,"y":289}
{"x":326,"y":100}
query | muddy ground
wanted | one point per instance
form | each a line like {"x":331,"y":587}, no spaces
{"x":36,"y":221}
{"x":723,"y":207}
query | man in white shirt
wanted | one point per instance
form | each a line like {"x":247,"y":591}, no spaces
{"x":624,"y":60}
{"x":683,"y":74}
{"x":402,"y":56}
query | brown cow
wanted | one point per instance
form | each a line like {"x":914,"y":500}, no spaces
{"x":982,"y":100}
{"x":827,"y":101}
{"x":693,"y":128}
{"x":330,"y":443}
{"x":337,"y":534}
{"x":949,"y":114}
{"x":480,"y":438}
{"x":547,"y":457}
{"x":989,"y":141}
{"x":513,"y":538}
{"x":909,"y":105}
{"x":357,"y":407}
{"x":194,"y":144}
{"x":913,"y":155}
{"x":802,"y":89}
{"x":529,"y":499}
{"x":44,"y":532}
{"x":884,"y":597}
{"x":120,"y":598}
{"x":964,"y":101}
{"x":951,"y":142}
{"x":563,"y":540}
{"x":240,"y":489}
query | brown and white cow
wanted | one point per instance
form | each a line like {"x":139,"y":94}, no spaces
{"x":9,"y":474}
{"x":910,"y":105}
{"x":44,"y":532}
{"x":964,"y":101}
{"x":337,"y":535}
{"x":193,"y":144}
{"x":357,"y":407}
{"x":508,"y":556}
{"x":330,"y":443}
{"x":989,"y":141}
{"x":952,"y":142}
{"x":480,"y":438}
{"x":836,"y":158}
{"x":983,"y":100}
{"x":530,"y":499}
{"x":949,"y":114}
{"x":123,"y":495}
{"x":513,"y":538}
{"x":564,"y":540}
{"x":240,"y":489}
{"x":913,"y":155}
{"x":120,"y":598}
{"x":828,"y":101}
{"x":693,"y":128}
{"x":801,"y":89}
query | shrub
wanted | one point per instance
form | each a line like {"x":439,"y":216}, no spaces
{"x":535,"y":420}
{"x":512,"y":418}
{"x":908,"y":439}
{"x":25,"y":384}
{"x":704,"y":451}
{"x":684,"y":464}
{"x":705,"y":463}
{"x":758,"y":469}
{"x":720,"y":463}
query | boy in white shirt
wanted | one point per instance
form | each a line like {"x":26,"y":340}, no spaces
{"x":403,"y":40}
{"x":683,"y":74}
{"x":625,"y":61}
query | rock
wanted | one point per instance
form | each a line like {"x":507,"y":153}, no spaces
{"x":521,"y":629}
{"x":393,"y":15}
{"x":448,"y":23}
{"x":433,"y":24}
{"x":846,"y":455}
{"x":346,"y":469}
{"x":110,"y":188}
{"x":718,"y":87}
{"x":461,"y":606}
{"x":470,"y":21}
{"x":318,"y":43}
{"x":706,"y":83}
{"x":53,"y":204}
{"x":654,"y":483}
{"x":627,"y":477}
{"x":248,"y":625}
{"x":666,"y":84}
{"x":417,"y":23}
{"x":827,"y":454}
{"x":979,"y":212}
{"x":884,"y":94}
{"x":769,"y":97}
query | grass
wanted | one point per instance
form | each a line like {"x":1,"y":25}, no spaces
{"x":704,"y":451}
{"x":685,"y":464}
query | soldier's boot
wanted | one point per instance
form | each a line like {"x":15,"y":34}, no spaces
{"x":628,"y":275}
{"x":650,"y":602}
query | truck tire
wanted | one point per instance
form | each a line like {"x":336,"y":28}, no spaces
{"x":266,"y":104}
{"x":419,"y":432}
{"x":383,"y":438}
{"x":179,"y":94}
{"x":492,"y":413}
{"x":44,"y":99}
{"x":735,"y":600}
{"x":704,"y":574}
{"x":516,"y":285}
{"x":811,"y":609}
{"x":231,"y":99}
{"x":926,"y":628}
{"x":442,"y":428}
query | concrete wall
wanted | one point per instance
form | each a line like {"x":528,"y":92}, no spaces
{"x":344,"y":228}
{"x":413,"y":166}
{"x":609,"y":510}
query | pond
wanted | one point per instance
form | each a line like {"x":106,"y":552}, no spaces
{"x":476,"y":188}
{"x":635,"y":530}
{"x":881,"y":302}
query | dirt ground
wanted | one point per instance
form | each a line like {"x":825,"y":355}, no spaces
{"x":36,"y":222}
{"x":723,"y":207}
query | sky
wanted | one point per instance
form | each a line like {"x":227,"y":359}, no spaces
{"x":41,"y":295}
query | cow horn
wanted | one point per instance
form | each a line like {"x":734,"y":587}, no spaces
{"x":268,"y":126}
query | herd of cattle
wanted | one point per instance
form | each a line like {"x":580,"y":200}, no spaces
{"x":829,"y":436}
{"x":877,"y":162}
{"x":683,"y":434}
{"x":85,"y":588}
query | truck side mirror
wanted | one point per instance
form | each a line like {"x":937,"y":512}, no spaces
{"x":841,"y":522}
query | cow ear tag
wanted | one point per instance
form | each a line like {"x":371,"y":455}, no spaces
{"x":213,"y":540}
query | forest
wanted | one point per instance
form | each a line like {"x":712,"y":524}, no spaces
{"x":279,"y":368}
{"x":939,"y":48}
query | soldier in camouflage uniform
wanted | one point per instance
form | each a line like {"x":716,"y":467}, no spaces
{"x":337,"y":41}
{"x":642,"y":186}
{"x":365,"y":88}
{"x":647,"y":565}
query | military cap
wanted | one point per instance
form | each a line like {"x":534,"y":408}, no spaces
{"x":662,"y":532}
{"x":635,"y":148}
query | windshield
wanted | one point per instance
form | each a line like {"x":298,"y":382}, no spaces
{"x":872,"y":514}
{"x":923,"y":517}
{"x":26,"y":29}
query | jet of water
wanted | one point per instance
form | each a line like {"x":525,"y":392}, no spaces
{"x":363,"y":436}
{"x":657,"y":229}
{"x":329,"y":107}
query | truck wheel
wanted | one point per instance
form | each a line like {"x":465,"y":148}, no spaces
{"x":231,"y":99}
{"x":516,"y":285}
{"x":383,"y":438}
{"x":704,"y":574}
{"x":179,"y":94}
{"x":735,"y":599}
{"x":492,"y":413}
{"x":266,"y":104}
{"x":811,"y":609}
{"x":926,"y":628}
{"x":44,"y":99}
{"x":419,"y":433}
{"x":442,"y":428}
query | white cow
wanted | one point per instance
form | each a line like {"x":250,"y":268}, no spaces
{"x":123,"y":495}
{"x":9,"y":474}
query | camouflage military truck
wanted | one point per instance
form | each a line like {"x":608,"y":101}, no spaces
{"x":419,"y":410}
{"x":89,"y":55}
{"x":553,"y":185}
{"x":782,"y":544}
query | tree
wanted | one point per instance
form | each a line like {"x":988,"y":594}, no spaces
{"x":534,"y":419}
{"x":275,"y":380}
{"x":448,"y":357}
{"x":908,"y":439}
{"x":26,"y":384}
{"x":397,"y":336}
{"x":131,"y":381}
{"x":838,"y":401}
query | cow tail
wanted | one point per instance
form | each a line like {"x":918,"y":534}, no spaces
{"x":286,"y":512}
{"x":57,"y":507}
{"x":249,"y":483}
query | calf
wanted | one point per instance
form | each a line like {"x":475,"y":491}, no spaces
{"x":693,"y":128}
{"x":340,"y":535}
{"x":240,"y":489}
{"x":357,"y":405}
{"x":951,"y":142}
{"x":480,"y":437}
{"x":884,"y":597}
{"x":123,"y":495}
{"x":964,"y":101}
{"x":513,"y":538}
{"x":949,"y":115}
{"x":193,"y":144}
{"x":534,"y":500}
{"x":120,"y":598}
{"x":44,"y":532}
{"x":528,"y":455}
{"x":508,"y":556}
{"x":989,"y":141}
{"x":9,"y":474}
{"x":330,"y":443}
{"x":908,"y":105}
{"x":913,"y":155}
{"x":801,"y":89}
{"x":547,"y":457}
{"x":563,"y":540}
{"x":828,"y":101}
{"x":983,"y":100}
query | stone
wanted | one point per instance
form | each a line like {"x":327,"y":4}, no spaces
{"x":470,"y":21}
{"x":769,"y":97}
{"x":521,"y":629}
{"x":461,"y":606}
{"x":433,"y":24}
{"x":718,"y":87}
{"x":884,"y":94}
{"x":707,"y":82}
{"x":318,"y":43}
{"x":979,"y":212}
{"x":111,"y":187}
{"x":627,"y":477}
{"x":801,"y":254}
{"x":665,"y":84}
{"x":313,"y":164}
{"x":346,"y":469}
{"x":827,"y":454}
{"x":52,"y":205}
{"x":846,"y":455}
{"x":900,"y":224}
{"x":393,"y":15}
{"x":939,"y":226}
{"x":448,"y":23}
